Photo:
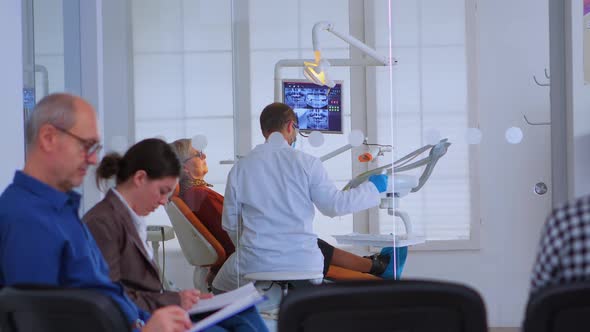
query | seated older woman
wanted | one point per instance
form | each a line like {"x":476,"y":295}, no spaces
{"x":205,"y":202}
{"x":207,"y":205}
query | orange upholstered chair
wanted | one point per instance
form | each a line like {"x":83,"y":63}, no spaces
{"x":200,"y":248}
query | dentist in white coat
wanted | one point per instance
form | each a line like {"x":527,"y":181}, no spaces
{"x":274,"y":188}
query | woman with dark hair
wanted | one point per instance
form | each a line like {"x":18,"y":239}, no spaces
{"x":145,"y":177}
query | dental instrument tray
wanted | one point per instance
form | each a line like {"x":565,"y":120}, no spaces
{"x":379,"y":240}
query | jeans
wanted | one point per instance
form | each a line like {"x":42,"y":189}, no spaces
{"x":248,"y":320}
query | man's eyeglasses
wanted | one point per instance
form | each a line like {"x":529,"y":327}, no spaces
{"x":199,"y":155}
{"x":90,"y":146}
{"x":296,"y":126}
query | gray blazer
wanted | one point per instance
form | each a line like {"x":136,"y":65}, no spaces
{"x":113,"y":230}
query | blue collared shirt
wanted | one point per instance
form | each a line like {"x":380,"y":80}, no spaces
{"x":43,"y":241}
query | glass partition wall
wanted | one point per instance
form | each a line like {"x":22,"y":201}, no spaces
{"x":52,"y":50}
{"x":440,"y":96}
{"x":43,"y":50}
{"x":50,"y":46}
{"x":448,"y":98}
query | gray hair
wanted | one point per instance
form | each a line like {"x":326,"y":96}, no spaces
{"x":57,"y":109}
{"x":182,"y":148}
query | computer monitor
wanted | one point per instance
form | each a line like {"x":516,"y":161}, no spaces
{"x":317,"y":107}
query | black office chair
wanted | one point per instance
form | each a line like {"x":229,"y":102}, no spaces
{"x":563,"y":308}
{"x":36,"y":308}
{"x":402,"y":305}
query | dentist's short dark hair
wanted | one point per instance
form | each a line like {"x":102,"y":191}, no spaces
{"x":274,"y":117}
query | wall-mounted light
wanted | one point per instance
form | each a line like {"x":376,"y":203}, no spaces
{"x":317,"y":71}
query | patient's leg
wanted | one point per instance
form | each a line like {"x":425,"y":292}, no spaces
{"x":351,"y":261}
{"x":380,"y":265}
{"x":344,"y":259}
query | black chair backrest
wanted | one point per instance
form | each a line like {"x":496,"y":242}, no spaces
{"x":57,"y":309}
{"x":402,"y":306}
{"x":563,"y":308}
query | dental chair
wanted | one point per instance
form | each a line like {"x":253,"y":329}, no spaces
{"x":200,"y":248}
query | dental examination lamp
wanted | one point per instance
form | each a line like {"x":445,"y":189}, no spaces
{"x":315,"y":70}
{"x":404,"y":184}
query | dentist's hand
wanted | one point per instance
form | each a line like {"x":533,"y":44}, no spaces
{"x":380,"y":181}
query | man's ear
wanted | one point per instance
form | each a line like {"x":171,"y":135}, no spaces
{"x":140,"y":177}
{"x":47,"y":138}
{"x":289,"y":125}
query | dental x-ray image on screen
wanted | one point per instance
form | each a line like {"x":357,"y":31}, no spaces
{"x":317,"y":107}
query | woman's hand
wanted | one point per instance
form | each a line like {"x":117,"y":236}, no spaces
{"x":190,"y":297}
{"x":168,"y":319}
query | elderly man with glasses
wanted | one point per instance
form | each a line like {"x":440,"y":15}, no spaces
{"x":42,"y":239}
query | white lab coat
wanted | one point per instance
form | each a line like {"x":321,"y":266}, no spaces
{"x":275,"y":188}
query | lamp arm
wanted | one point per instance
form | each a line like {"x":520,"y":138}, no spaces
{"x":315,"y":31}
{"x":319,"y":26}
{"x":283,"y":63}
{"x":362,"y":47}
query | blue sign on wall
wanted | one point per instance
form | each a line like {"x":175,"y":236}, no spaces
{"x":29,"y":98}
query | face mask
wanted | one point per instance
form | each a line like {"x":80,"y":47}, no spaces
{"x":293,"y":144}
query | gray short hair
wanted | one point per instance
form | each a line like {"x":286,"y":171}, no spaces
{"x":182,"y":147}
{"x":57,"y":109}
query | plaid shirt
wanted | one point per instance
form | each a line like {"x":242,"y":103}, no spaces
{"x":564,"y":254}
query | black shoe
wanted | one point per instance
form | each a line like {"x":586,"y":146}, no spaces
{"x":379,"y":263}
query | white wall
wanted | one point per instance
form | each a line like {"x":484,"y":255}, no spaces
{"x":11,"y":87}
{"x":512,"y":46}
{"x":580,"y":170}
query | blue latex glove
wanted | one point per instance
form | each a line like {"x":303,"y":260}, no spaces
{"x":380,"y":181}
